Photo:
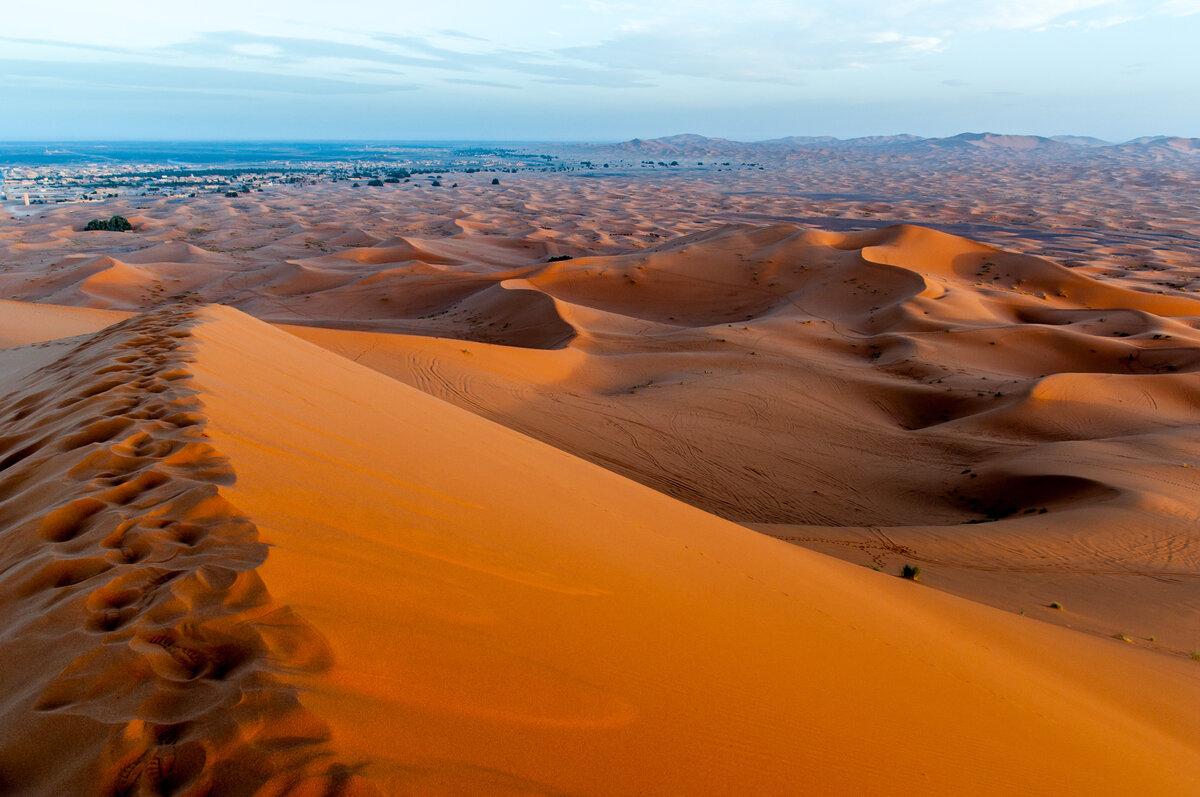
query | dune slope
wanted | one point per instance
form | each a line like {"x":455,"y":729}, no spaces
{"x":502,"y":616}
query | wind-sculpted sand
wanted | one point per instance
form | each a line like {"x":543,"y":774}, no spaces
{"x":422,"y":511}
{"x":139,"y":642}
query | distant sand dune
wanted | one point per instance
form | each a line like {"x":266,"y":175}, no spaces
{"x":888,"y":401}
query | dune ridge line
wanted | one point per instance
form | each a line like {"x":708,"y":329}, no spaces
{"x":115,"y":538}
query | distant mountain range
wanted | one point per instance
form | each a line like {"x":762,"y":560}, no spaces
{"x":691,"y":146}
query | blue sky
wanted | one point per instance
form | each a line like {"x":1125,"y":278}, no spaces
{"x":596,"y":69}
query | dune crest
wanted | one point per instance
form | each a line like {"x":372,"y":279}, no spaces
{"x":167,"y":676}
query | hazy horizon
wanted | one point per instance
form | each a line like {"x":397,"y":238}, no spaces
{"x":584,"y":140}
{"x":597,"y":70}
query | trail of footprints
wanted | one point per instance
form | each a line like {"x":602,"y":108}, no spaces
{"x":112,"y":525}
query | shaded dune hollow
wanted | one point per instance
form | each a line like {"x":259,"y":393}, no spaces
{"x":412,"y":300}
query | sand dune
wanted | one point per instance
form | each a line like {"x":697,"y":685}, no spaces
{"x":121,"y":549}
{"x":427,"y":509}
{"x":480,"y":613}
{"x":882,"y":380}
{"x":26,"y":323}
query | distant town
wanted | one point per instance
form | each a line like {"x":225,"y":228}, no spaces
{"x":81,"y":175}
{"x":52,"y":174}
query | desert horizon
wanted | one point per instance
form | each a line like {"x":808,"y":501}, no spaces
{"x":1077,"y":138}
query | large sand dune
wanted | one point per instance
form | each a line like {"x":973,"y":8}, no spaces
{"x":267,"y":566}
{"x":425,"y":513}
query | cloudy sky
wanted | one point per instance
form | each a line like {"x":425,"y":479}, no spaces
{"x":596,"y":69}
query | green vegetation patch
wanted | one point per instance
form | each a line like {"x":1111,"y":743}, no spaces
{"x":115,"y":224}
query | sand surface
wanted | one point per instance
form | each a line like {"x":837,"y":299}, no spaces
{"x":420,"y":512}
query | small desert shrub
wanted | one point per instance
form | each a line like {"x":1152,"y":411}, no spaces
{"x":231,"y":194}
{"x":1123,"y":637}
{"x":911,"y":572}
{"x":495,"y":181}
{"x":1196,"y":655}
{"x":1056,"y":605}
{"x":558,"y":258}
{"x":375,"y":183}
{"x":115,"y":224}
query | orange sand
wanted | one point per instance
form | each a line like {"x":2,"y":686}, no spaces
{"x":251,"y":558}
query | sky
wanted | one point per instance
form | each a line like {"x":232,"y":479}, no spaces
{"x":595,"y":70}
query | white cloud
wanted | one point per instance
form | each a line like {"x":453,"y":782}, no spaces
{"x":608,"y":43}
{"x":257,"y":50}
{"x":1029,"y":14}
{"x":1180,"y":8}
{"x":1110,"y":22}
{"x":912,"y":44}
